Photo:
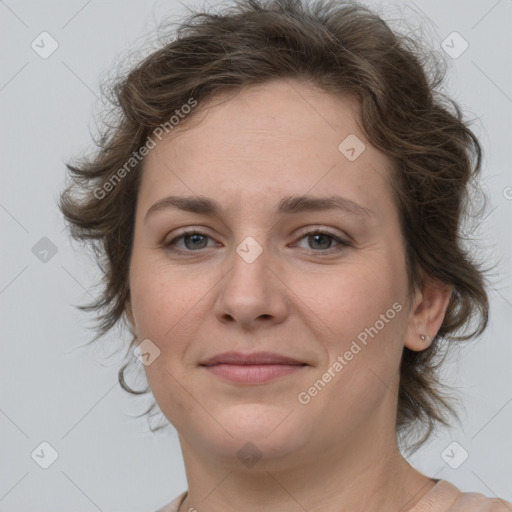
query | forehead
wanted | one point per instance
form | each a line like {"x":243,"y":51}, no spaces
{"x":268,"y":138}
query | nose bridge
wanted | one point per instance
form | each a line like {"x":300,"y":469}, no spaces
{"x":249,"y":274}
{"x":250,"y":290}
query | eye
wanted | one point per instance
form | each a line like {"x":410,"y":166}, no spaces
{"x":194,"y":241}
{"x":323,"y":240}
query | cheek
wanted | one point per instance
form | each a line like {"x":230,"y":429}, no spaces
{"x":160,"y":298}
{"x":169,"y":312}
{"x":351,"y":297}
{"x":364,"y":310}
{"x":165,"y":310}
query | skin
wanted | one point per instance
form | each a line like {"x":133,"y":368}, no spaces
{"x":300,"y":297}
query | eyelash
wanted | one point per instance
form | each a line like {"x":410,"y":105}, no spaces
{"x":342,"y":243}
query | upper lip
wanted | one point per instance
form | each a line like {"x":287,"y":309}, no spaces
{"x":250,"y":358}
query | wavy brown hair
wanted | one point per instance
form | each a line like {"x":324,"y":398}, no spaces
{"x":344,"y":49}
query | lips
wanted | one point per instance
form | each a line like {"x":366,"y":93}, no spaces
{"x":255,"y":358}
{"x":255,"y":368}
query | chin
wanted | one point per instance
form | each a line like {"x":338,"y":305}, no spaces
{"x":269,"y":434}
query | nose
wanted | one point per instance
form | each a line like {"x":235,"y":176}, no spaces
{"x":251,"y":293}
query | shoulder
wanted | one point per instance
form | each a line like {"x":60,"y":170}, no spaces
{"x":445,"y":497}
{"x":174,"y":505}
{"x":476,"y":502}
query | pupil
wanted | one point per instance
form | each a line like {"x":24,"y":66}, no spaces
{"x":326,"y":238}
{"x":194,"y":237}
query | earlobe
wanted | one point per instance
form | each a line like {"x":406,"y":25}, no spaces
{"x":428,"y":314}
{"x":422,"y":342}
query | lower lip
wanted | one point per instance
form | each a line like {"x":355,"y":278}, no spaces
{"x":252,"y":373}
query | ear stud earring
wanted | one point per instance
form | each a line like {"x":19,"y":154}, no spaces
{"x":424,"y":337}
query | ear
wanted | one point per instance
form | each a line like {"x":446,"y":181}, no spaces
{"x":427,"y":314}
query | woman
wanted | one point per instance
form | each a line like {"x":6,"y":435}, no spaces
{"x":293,"y":372}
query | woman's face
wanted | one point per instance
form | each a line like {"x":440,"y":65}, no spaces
{"x":255,"y":281}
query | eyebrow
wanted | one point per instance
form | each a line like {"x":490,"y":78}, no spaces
{"x":287,"y":206}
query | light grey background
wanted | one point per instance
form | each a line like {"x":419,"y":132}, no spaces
{"x":52,"y":390}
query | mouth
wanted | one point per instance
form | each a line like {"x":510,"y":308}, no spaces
{"x":255,"y":368}
{"x":253,"y":373}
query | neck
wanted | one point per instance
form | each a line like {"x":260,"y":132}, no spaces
{"x":339,"y":478}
